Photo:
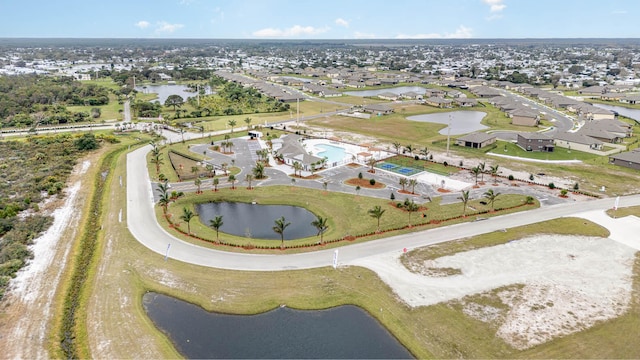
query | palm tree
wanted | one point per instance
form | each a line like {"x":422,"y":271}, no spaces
{"x":258,"y":170}
{"x":281,"y":224}
{"x":248,"y":178}
{"x":187,"y":215}
{"x":396,"y":145}
{"x":481,"y":166}
{"x":232,"y":180}
{"x":164,"y":201}
{"x":465,"y":199}
{"x":491,"y":196}
{"x":224,"y":167}
{"x":411,"y":207}
{"x":413,"y":183}
{"x":476,"y":170}
{"x":232,"y":123}
{"x":194,"y":170}
{"x":209,"y":168}
{"x":229,"y":145}
{"x":248,"y":122}
{"x":403,"y":182}
{"x":371,"y":162}
{"x":297,"y":166}
{"x":216,"y":181}
{"x":376,"y":213}
{"x":409,"y":148}
{"x":197,"y":182}
{"x":216,"y":223}
{"x":325,"y":184}
{"x":494,"y":170}
{"x":320,"y":223}
{"x":358,"y":189}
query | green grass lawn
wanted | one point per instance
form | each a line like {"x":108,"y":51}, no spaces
{"x":110,"y":111}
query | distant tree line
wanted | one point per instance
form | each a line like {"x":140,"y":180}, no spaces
{"x":31,"y":99}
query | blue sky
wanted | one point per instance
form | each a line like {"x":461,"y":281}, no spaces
{"x":320,"y":19}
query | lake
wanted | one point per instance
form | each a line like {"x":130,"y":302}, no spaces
{"x":630,"y":113}
{"x":396,"y":90}
{"x":344,"y":332}
{"x":164,"y":91}
{"x":257,"y":221}
{"x":462,"y":122}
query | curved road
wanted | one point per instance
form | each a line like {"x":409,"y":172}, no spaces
{"x":143,"y":225}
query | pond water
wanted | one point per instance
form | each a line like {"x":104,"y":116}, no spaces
{"x":396,"y":90}
{"x":164,"y":91}
{"x":345,"y":332}
{"x":630,"y":113}
{"x":257,"y":221}
{"x":462,"y":122}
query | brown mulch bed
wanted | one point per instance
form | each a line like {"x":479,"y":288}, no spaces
{"x":364,"y":183}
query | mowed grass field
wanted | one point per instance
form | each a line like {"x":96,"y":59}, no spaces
{"x":116,"y":325}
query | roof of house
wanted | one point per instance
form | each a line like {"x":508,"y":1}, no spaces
{"x":534,"y":136}
{"x":523,"y":112}
{"x":630,"y":156}
{"x":577,"y":138}
{"x":477,"y":137}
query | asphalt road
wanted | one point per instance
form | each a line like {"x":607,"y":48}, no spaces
{"x":145,"y":228}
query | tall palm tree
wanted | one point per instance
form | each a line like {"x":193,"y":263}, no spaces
{"x":224,"y":167}
{"x":197,"y":182}
{"x":248,"y":178}
{"x":164,"y":201}
{"x":494,"y":170}
{"x":413,"y":183}
{"x":232,"y":123}
{"x":232,"y":180}
{"x":396,"y":145}
{"x":297,"y":167}
{"x":194,"y":170}
{"x":476,"y":170}
{"x":187,"y":215}
{"x":229,"y":145}
{"x":403,"y":182}
{"x":216,"y":223}
{"x":215,"y":184}
{"x":411,"y":207}
{"x":424,"y":152}
{"x":320,"y":223}
{"x":209,"y":168}
{"x":371,"y":162}
{"x":280,"y":225}
{"x":491,"y":196}
{"x":481,"y":166}
{"x":465,"y":199}
{"x":409,"y":148}
{"x":247,"y":121}
{"x":377,"y":213}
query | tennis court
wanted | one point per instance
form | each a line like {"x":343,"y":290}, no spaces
{"x":398,"y":169}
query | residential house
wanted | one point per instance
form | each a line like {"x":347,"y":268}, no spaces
{"x":379,"y":109}
{"x":577,"y":141}
{"x":388,"y":96}
{"x":465,"y":102}
{"x":476,"y":140}
{"x":438,"y":102}
{"x":630,"y":159}
{"x":535,"y":142}
{"x":524,"y":117}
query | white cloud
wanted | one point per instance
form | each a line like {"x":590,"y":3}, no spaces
{"x":295,"y":30}
{"x":142,"y":24}
{"x":619,"y":12}
{"x":165,"y":27}
{"x":495,"y":5}
{"x":462,"y":32}
{"x":342,"y":22}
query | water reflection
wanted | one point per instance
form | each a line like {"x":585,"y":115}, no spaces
{"x":345,"y":332}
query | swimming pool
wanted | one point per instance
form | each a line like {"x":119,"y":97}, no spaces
{"x":334,"y":154}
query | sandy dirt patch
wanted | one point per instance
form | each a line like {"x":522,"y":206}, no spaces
{"x":27,"y":307}
{"x":567,"y":283}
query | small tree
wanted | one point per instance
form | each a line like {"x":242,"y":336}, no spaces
{"x":232,"y":123}
{"x":465,"y":199}
{"x":320,"y":224}
{"x":197,"y":182}
{"x":411,"y":207}
{"x":280,"y":225}
{"x":248,"y":178}
{"x":216,"y":182}
{"x":491,"y":196}
{"x":232,"y":180}
{"x":216,"y":223}
{"x":187,"y":215}
{"x":403,"y":182}
{"x":377,"y":213}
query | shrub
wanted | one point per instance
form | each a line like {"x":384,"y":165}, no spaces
{"x":511,"y":177}
{"x":552,"y":185}
{"x":372,"y":182}
{"x":576,"y":186}
{"x":359,"y":175}
{"x":529,"y":200}
{"x":445,"y":164}
{"x":563,"y":192}
{"x":399,"y":205}
{"x":392,"y":197}
{"x":416,"y":157}
{"x":531,"y":177}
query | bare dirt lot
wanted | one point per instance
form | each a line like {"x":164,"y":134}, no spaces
{"x":531,"y":290}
